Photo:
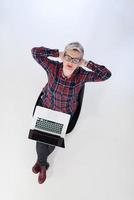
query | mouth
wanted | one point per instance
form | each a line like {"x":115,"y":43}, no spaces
{"x":69,"y":66}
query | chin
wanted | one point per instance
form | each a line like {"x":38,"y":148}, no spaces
{"x":70,"y":71}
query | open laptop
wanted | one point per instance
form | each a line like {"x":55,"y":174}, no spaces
{"x":49,"y":126}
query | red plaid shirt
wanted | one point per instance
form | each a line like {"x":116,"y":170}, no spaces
{"x":61,"y":93}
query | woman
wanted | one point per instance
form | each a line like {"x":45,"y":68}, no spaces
{"x":65,"y":80}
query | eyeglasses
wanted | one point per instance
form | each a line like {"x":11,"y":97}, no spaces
{"x":70,"y":59}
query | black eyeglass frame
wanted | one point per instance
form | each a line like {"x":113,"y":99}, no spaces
{"x":71,"y":59}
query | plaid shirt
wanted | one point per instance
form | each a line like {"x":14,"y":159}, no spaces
{"x":61,"y":93}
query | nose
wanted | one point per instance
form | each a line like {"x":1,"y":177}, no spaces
{"x":70,"y":63}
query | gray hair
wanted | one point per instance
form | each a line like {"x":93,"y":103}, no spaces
{"x":75,"y":46}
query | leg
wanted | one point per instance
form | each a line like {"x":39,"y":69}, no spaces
{"x":43,"y":151}
{"x":51,"y":148}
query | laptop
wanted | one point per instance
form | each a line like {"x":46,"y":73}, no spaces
{"x":49,"y":126}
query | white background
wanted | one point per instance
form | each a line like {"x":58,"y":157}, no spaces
{"x":98,"y":160}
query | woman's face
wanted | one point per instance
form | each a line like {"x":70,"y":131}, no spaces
{"x":71,"y":60}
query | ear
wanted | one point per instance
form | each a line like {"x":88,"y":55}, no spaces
{"x":81,"y":62}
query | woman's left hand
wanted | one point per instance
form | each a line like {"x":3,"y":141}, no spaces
{"x":84,"y":62}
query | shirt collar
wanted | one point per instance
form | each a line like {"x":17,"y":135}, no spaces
{"x":73,"y":74}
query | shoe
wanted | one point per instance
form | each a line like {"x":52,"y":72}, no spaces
{"x":36,"y":168}
{"x":42,"y":175}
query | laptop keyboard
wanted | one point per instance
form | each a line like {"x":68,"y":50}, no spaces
{"x":48,"y":125}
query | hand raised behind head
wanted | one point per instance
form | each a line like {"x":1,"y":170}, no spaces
{"x":61,"y":54}
{"x":84,"y":62}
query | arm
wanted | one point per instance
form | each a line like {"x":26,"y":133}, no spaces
{"x":41,"y":54}
{"x":99,"y":72}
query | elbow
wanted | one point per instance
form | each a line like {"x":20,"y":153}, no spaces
{"x":107,"y":76}
{"x":33,"y":50}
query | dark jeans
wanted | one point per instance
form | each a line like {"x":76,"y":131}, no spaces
{"x":44,"y":150}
